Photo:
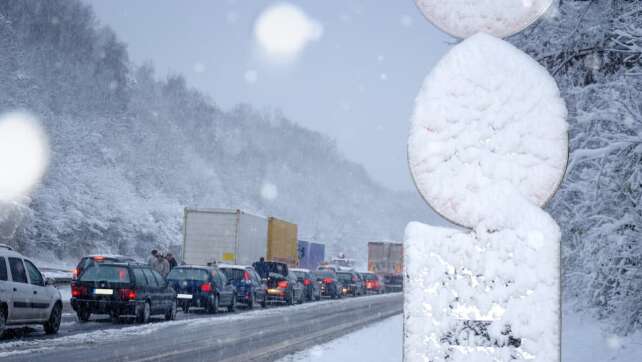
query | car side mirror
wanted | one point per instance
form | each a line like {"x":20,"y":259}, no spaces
{"x":50,"y":281}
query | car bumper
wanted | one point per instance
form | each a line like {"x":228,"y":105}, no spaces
{"x":196,"y":300}
{"x":276,"y":294}
{"x":105,"y":306}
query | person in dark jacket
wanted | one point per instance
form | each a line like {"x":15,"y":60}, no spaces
{"x":172,"y":261}
{"x":261,"y":268}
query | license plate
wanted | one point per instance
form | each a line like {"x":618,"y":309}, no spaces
{"x":184,"y":296}
{"x":103,"y":291}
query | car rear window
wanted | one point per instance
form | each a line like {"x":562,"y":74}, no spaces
{"x":344,"y":276}
{"x":107,"y":273}
{"x":324,"y":274}
{"x":188,"y":273}
{"x":233,"y":274}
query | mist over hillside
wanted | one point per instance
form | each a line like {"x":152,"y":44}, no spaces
{"x":130,"y":151}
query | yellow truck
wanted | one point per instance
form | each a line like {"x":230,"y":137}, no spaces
{"x":282,"y":242}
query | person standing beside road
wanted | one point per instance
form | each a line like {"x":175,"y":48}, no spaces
{"x":172,"y":261}
{"x":261,"y":268}
{"x":162,"y":265}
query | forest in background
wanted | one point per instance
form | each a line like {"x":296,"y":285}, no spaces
{"x":594,"y":51}
{"x":130,"y":151}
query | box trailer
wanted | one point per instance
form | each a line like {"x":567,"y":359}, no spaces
{"x":311,"y":254}
{"x":223,"y":236}
{"x":386,"y":259}
{"x":282,"y":241}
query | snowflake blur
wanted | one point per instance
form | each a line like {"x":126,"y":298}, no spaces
{"x":284,"y":30}
{"x":24,"y":154}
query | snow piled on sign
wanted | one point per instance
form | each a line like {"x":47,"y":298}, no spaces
{"x":463,"y":18}
{"x":487,"y":148}
{"x":487,"y":113}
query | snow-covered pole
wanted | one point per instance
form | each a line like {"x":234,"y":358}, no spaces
{"x":487,"y":149}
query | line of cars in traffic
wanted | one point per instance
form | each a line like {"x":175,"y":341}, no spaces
{"x":120,"y":286}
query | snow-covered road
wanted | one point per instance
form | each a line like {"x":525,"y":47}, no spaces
{"x":253,"y":335}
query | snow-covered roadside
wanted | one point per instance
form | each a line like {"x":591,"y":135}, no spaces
{"x":380,"y":342}
{"x":584,"y":339}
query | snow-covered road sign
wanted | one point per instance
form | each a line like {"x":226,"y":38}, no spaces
{"x":487,"y":149}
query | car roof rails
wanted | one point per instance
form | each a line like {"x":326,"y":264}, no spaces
{"x":5,"y":246}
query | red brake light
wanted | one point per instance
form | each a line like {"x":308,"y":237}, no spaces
{"x":246,"y":276}
{"x":206,"y":287}
{"x":283,"y":284}
{"x":78,"y":291}
{"x":327,"y":281}
{"x":127,"y":294}
{"x":307,"y":282}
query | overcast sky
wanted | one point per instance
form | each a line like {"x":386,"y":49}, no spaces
{"x":355,"y":81}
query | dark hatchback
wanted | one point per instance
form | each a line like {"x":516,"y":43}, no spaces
{"x":281,"y":283}
{"x":373,"y":284}
{"x":329,"y":283}
{"x":311,"y":289}
{"x":86,"y":261}
{"x":352,"y":284}
{"x":122,"y":289}
{"x":202,"y":287}
{"x":250,"y":289}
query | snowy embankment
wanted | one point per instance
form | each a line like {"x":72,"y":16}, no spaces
{"x":583,"y":339}
{"x":378,"y":342}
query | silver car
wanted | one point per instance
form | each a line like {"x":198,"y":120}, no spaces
{"x":26,"y":297}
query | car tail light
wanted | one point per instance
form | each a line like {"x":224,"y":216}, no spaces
{"x":74,"y":273}
{"x":77,"y":291}
{"x":206,"y":287}
{"x":127,"y":294}
{"x":283,"y":284}
{"x":246,"y":276}
{"x":327,"y":281}
{"x":369,"y":285}
{"x":307,"y":282}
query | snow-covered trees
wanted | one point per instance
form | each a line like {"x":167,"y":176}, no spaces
{"x":129,"y":151}
{"x":594,"y":50}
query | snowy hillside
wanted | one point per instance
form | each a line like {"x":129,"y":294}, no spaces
{"x":129,"y":151}
{"x":594,"y":50}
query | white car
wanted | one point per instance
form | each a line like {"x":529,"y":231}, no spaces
{"x":26,"y":297}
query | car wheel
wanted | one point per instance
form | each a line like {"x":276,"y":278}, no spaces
{"x":264,"y":301}
{"x":232,"y":307}
{"x":143,"y":313}
{"x":171,"y":313}
{"x":115,"y":318}
{"x":83,"y":314}
{"x":250,"y":304}
{"x":185,"y":308}
{"x":212,"y":307}
{"x":3,"y":321}
{"x":290,"y":300}
{"x":53,"y":323}
{"x":318,"y":297}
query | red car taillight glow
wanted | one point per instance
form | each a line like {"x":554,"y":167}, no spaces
{"x":283,"y":284}
{"x":206,"y":288}
{"x":246,"y":276}
{"x":127,"y":294}
{"x":327,"y":281}
{"x":307,"y":282}
{"x":77,"y":291}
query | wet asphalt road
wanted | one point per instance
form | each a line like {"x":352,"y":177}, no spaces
{"x":258,"y":335}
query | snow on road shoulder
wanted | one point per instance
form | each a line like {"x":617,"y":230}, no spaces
{"x":379,"y":342}
{"x":585,"y":339}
